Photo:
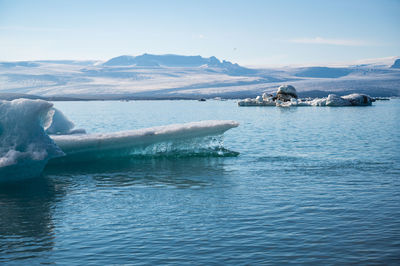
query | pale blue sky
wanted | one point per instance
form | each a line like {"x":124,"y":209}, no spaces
{"x":246,"y":32}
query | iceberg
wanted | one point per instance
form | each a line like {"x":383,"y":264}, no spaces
{"x":93,"y":146}
{"x":34,"y":133}
{"x":334,"y":100}
{"x":354,"y":99}
{"x":358,"y":99}
{"x":61,"y":125}
{"x":286,"y":96}
{"x":25,"y":148}
{"x":286,"y":93}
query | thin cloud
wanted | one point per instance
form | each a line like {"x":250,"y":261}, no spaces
{"x":32,"y":29}
{"x":327,"y":41}
{"x":198,"y":36}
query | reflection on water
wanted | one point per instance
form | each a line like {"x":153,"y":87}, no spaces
{"x":26,"y":210}
{"x":33,"y":212}
{"x":183,"y":173}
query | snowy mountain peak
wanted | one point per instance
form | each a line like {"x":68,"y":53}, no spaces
{"x":168,"y":60}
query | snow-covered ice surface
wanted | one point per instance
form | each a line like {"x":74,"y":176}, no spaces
{"x":95,"y":146}
{"x":25,"y":148}
{"x":287,"y":89}
{"x":286,"y":96}
{"x":173,"y":76}
{"x":333,"y":100}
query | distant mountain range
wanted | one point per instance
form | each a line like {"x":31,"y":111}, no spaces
{"x":170,"y":76}
{"x":171,"y":60}
{"x":168,"y":60}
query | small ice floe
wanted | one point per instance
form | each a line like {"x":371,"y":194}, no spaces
{"x":358,"y":99}
{"x":381,"y":99}
{"x":286,"y":96}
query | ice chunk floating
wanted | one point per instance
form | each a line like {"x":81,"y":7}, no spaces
{"x":25,"y":148}
{"x":60,"y":124}
{"x":286,"y":96}
{"x":96,"y":146}
{"x":32,"y":133}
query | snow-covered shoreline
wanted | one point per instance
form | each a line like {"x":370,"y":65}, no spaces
{"x":151,"y":77}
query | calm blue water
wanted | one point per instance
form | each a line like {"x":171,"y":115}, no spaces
{"x":311,"y":185}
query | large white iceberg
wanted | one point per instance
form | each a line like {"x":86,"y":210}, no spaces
{"x":26,"y":146}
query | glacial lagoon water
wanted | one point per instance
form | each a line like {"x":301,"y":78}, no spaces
{"x":309,"y":185}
